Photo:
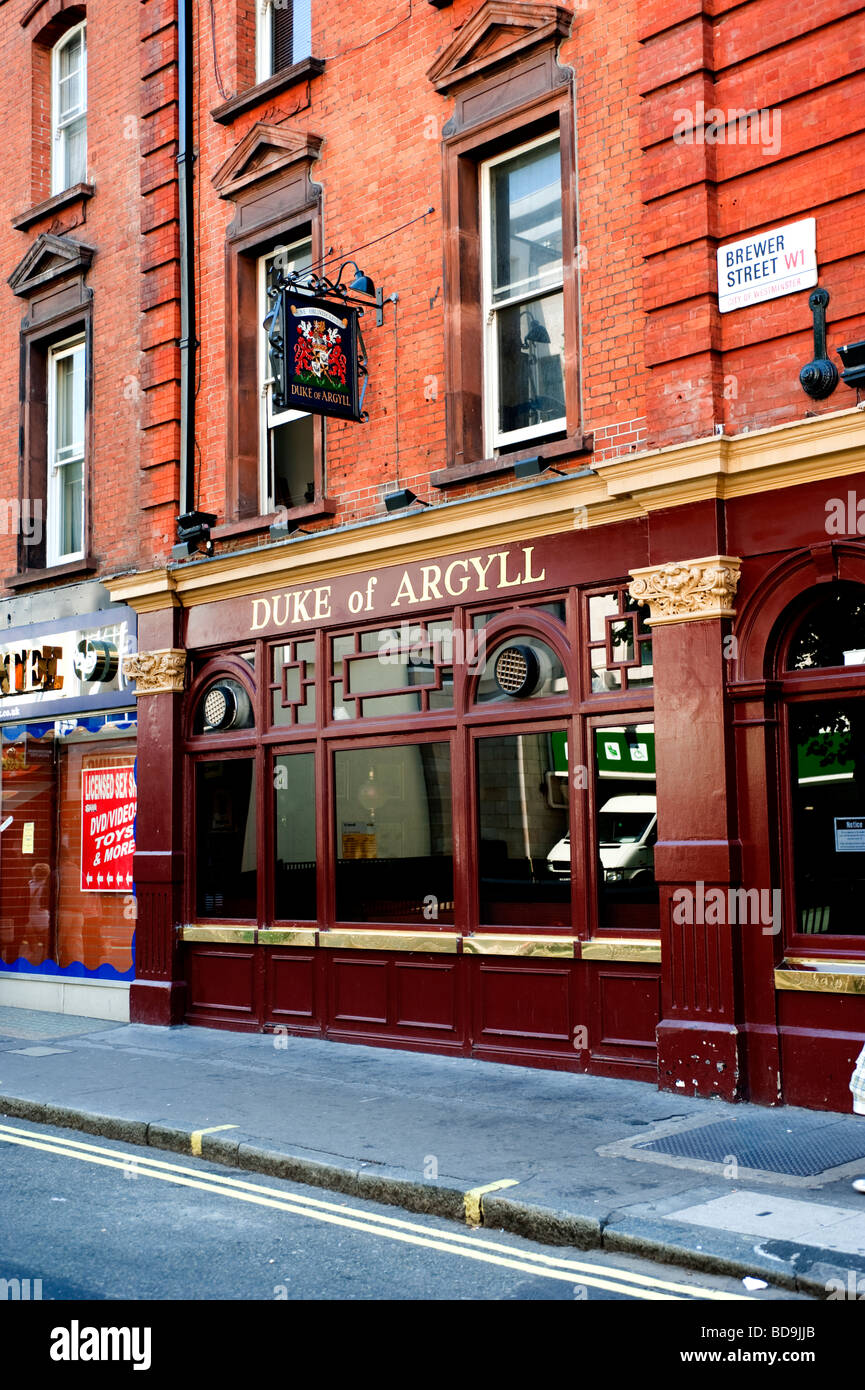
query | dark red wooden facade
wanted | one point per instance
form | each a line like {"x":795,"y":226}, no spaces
{"x":706,"y":1018}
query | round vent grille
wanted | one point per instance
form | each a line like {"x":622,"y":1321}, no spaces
{"x":220,"y":707}
{"x":516,"y":671}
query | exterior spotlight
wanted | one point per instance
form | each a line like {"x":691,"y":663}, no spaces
{"x":193,"y":532}
{"x":395,"y":501}
{"x":853,"y":357}
{"x":361,"y":284}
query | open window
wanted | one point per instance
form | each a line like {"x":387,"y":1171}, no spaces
{"x":287,"y":438}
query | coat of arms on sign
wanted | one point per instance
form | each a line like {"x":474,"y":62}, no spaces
{"x":319,"y":359}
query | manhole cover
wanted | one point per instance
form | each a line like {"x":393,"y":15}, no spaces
{"x":762,"y":1144}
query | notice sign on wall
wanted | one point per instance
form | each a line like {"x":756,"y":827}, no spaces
{"x":108,"y":803}
{"x":767,"y":266}
{"x":849,"y":835}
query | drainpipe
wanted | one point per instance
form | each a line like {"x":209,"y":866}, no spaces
{"x":185,"y":162}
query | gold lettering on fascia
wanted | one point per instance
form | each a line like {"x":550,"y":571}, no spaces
{"x":490,"y":573}
{"x":30,"y":671}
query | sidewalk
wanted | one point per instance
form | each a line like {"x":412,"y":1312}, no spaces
{"x":420,"y":1131}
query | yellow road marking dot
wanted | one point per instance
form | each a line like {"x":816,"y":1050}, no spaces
{"x":472,"y":1200}
{"x":195,"y":1137}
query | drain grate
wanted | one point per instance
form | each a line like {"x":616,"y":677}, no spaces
{"x":757,"y":1143}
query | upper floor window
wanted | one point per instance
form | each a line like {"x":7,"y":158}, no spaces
{"x":69,"y":110}
{"x":521,"y":209}
{"x":283,"y":35}
{"x":287,"y":476}
{"x":66,"y":417}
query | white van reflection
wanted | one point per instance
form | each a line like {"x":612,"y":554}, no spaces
{"x":627,"y":830}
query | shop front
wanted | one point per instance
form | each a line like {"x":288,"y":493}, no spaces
{"x":67,"y":810}
{"x":558,"y":799}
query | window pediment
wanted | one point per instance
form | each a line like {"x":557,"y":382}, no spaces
{"x":50,"y":258}
{"x":501,"y":31}
{"x":264,"y":151}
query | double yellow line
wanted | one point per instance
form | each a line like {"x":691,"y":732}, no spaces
{"x":470,"y":1247}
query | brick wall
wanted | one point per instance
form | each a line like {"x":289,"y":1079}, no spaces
{"x":659,"y":364}
{"x":110,"y":222}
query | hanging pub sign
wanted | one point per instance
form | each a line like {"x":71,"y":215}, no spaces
{"x":314,"y":356}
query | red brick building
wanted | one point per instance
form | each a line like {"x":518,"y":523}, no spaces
{"x":70,"y":411}
{"x":560,"y":767}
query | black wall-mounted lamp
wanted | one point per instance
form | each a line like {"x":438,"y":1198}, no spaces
{"x":364,"y":284}
{"x":395,"y":501}
{"x":819,"y":377}
{"x":193,"y":532}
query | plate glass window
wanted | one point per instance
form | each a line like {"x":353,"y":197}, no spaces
{"x":69,"y":110}
{"x":524,"y":846}
{"x":287,"y":439}
{"x":65,"y":538}
{"x":521,"y":194}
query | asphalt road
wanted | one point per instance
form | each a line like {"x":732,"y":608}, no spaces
{"x":96,"y":1219}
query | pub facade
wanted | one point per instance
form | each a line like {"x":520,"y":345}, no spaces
{"x":512,"y":710}
{"x":571,"y":797}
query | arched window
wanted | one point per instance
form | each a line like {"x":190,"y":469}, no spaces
{"x":69,"y":110}
{"x":822,"y":671}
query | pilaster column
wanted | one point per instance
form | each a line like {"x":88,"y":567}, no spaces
{"x":158,"y":991}
{"x":690,"y":603}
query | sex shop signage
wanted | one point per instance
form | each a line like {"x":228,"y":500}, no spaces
{"x":109,"y":799}
{"x":320,"y":346}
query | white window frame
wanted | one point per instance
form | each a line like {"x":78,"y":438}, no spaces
{"x":268,"y":418}
{"x":54,"y":466}
{"x":495,"y":437}
{"x":263,"y":41}
{"x":58,"y":127}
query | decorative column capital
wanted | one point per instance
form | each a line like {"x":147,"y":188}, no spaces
{"x":687,"y":591}
{"x":156,"y":673}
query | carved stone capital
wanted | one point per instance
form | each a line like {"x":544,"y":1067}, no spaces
{"x":156,"y":673}
{"x":686,"y":591}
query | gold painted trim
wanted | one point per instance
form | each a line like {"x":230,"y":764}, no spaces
{"x":623,"y":949}
{"x":559,"y":947}
{"x":818,"y":975}
{"x":297,"y":936}
{"x":820,"y":981}
{"x":441,"y":943}
{"x":823,"y":448}
{"x":242,"y":936}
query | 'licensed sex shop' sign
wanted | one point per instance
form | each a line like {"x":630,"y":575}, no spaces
{"x":108,"y":803}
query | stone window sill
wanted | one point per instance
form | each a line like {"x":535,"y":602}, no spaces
{"x":79,"y":192}
{"x":559,"y":452}
{"x":311,"y":511}
{"x":264,"y":91}
{"x":86,"y":565}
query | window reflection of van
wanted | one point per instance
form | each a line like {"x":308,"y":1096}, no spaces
{"x":627,"y":831}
